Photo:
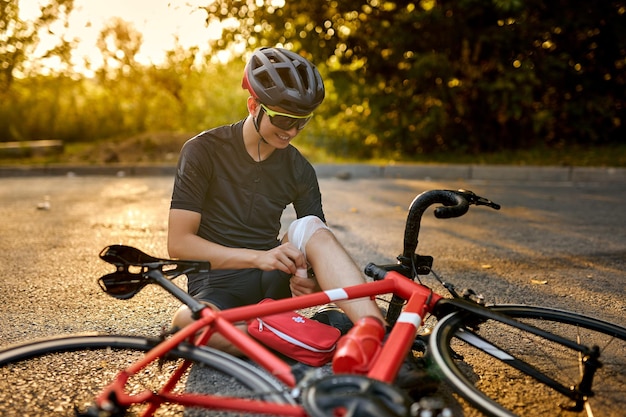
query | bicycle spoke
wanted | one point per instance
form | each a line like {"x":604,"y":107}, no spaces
{"x":58,"y":382}
{"x":485,"y":377}
{"x":58,"y":377}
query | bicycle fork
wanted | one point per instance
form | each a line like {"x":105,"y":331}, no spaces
{"x":589,"y":364}
{"x":588,"y":357}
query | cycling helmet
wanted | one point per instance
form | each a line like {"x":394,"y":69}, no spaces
{"x":281,"y":78}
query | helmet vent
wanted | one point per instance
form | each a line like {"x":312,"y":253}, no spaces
{"x":265,"y":80}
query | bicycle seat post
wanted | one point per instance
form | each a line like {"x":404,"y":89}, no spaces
{"x":194,"y":305}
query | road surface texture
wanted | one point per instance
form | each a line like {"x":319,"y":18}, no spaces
{"x":555,"y":243}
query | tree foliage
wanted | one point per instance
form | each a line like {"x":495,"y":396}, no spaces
{"x":123,"y":98}
{"x":403,"y":77}
{"x":473,"y":75}
{"x":19,"y":38}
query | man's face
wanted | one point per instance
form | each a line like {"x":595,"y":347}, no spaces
{"x":278,"y":127}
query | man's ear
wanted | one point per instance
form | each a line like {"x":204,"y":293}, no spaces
{"x":253,"y":106}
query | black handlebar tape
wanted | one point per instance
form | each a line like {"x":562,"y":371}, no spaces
{"x":455,"y":205}
{"x":451,"y":211}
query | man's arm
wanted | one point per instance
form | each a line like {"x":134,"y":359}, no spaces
{"x":184,"y":243}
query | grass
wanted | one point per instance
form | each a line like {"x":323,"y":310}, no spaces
{"x":606,"y":156}
{"x":163,"y":148}
{"x":599,"y":156}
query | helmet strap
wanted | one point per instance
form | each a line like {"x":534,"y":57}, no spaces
{"x":257,"y":122}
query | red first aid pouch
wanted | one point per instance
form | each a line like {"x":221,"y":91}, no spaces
{"x":300,"y":338}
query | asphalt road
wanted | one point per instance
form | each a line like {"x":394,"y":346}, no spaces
{"x":560,"y":243}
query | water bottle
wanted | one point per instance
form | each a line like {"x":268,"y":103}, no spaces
{"x":358,"y":348}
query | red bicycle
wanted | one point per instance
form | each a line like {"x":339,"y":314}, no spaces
{"x":505,"y":360}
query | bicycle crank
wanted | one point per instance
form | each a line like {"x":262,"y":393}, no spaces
{"x":355,"y":396}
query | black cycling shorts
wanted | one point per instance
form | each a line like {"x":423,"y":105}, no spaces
{"x":235,"y":288}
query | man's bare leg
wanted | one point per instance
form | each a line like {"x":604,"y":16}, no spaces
{"x":335,"y":268}
{"x":183,"y":317}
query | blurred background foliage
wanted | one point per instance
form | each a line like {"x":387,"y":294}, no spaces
{"x":404,"y":78}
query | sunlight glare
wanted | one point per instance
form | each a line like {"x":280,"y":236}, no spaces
{"x":163,"y":24}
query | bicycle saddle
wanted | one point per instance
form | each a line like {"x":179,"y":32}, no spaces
{"x":134,"y":268}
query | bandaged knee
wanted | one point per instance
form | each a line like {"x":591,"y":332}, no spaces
{"x":301,"y":230}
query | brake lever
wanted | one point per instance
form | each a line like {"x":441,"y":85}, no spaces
{"x":472,"y":198}
{"x":481,"y":201}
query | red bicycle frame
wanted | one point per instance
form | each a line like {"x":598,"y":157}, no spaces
{"x":420,"y":301}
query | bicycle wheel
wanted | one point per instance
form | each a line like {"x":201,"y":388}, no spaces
{"x":488,"y":382}
{"x":53,"y":377}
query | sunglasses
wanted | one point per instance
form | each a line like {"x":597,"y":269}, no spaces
{"x":286,"y":121}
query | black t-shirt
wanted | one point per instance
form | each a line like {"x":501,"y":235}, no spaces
{"x":242,"y":200}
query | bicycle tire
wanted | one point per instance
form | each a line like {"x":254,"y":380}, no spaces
{"x":499,"y":390}
{"x":57,"y":385}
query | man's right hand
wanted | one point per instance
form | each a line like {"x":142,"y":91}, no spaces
{"x":286,"y":258}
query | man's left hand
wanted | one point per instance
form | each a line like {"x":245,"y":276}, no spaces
{"x":303,"y":286}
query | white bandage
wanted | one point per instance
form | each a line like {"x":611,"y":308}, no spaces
{"x":301,"y":230}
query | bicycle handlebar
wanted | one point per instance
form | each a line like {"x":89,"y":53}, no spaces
{"x":455,"y":204}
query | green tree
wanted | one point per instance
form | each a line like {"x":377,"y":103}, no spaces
{"x":19,"y":38}
{"x":474,"y":75}
{"x":403,"y":77}
{"x":18,"y":41}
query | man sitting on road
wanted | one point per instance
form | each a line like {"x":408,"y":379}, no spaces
{"x":234,"y":182}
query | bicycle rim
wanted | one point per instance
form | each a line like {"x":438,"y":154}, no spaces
{"x":499,"y":390}
{"x":53,"y":377}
